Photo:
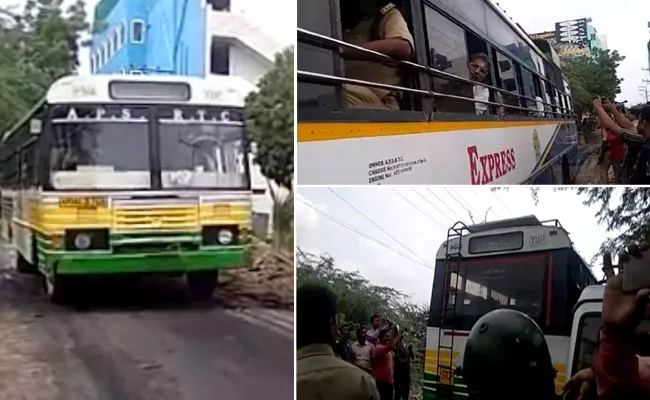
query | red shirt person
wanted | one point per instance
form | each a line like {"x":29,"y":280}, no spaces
{"x":382,"y":369}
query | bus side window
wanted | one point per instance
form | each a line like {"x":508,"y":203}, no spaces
{"x":528,"y":90}
{"x":322,"y":17}
{"x":506,"y":75}
{"x":448,"y":53}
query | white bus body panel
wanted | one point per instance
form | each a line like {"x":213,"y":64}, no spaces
{"x":449,"y":157}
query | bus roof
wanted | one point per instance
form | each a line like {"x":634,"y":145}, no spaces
{"x":591,"y":293}
{"x":517,"y":222}
{"x":214,"y":90}
{"x":527,"y":234}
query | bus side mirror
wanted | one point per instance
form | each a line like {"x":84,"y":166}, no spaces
{"x":35,"y":126}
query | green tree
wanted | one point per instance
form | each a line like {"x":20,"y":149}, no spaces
{"x":628,"y":218}
{"x":269,"y":119}
{"x":39,"y":45}
{"x":590,"y":76}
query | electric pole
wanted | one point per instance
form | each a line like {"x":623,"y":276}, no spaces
{"x":644,"y":91}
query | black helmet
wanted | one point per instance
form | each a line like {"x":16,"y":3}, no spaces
{"x":506,"y":357}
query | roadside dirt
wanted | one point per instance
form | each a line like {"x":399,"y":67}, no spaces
{"x":268,"y":281}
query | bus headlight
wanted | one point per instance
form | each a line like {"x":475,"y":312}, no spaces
{"x":224,"y":237}
{"x":220,"y":235}
{"x":82,"y":241}
{"x":86,"y":239}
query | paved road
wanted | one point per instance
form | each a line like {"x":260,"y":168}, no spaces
{"x":138,"y":341}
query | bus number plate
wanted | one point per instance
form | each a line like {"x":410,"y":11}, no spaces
{"x":445,"y":377}
{"x":86,"y":203}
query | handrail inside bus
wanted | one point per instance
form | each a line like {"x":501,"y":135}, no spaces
{"x":315,"y":39}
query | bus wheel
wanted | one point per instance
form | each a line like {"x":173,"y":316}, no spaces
{"x":202,"y":284}
{"x":23,"y":266}
{"x":58,"y":288}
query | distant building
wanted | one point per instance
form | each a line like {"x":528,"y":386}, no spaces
{"x":594,"y":39}
{"x":603,"y":41}
{"x":179,"y":37}
{"x":573,"y":37}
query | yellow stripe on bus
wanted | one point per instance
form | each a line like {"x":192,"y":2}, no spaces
{"x":315,"y":131}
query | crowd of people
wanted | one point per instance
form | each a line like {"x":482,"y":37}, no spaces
{"x":375,"y":365}
{"x":625,"y":147}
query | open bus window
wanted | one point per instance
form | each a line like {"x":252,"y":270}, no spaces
{"x":483,"y":286}
{"x":448,"y":53}
{"x":314,"y":16}
{"x":588,"y":340}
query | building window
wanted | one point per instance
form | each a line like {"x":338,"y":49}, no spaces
{"x":112,"y":46}
{"x":122,"y":33}
{"x":118,"y":38}
{"x":220,"y":57}
{"x":137,"y":31}
{"x":220,"y":5}
{"x":106,"y":50}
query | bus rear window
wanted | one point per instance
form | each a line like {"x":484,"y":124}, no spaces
{"x":487,"y":284}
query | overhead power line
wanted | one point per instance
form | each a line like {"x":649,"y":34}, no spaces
{"x":376,"y":225}
{"x":432,"y":205}
{"x":351,"y":228}
{"x":419,"y":209}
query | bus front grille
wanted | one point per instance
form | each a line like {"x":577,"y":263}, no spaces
{"x":155,"y":217}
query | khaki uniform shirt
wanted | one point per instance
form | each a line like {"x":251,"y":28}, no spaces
{"x":320,"y":375}
{"x":391,"y":26}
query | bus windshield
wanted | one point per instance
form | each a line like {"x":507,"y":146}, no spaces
{"x":99,"y":148}
{"x":205,"y":155}
{"x":486,"y":284}
{"x":108,"y":147}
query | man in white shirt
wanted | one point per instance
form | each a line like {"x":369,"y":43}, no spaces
{"x":479,"y":67}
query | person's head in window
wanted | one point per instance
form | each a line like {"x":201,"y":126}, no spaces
{"x":315,"y":316}
{"x":478,"y":67}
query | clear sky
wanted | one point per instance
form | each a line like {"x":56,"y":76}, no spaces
{"x":419,"y":218}
{"x":624,"y":22}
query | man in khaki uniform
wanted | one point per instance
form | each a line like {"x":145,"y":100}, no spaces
{"x":385,"y":31}
{"x":320,"y":375}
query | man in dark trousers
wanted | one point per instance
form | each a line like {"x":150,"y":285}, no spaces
{"x":402,"y":367}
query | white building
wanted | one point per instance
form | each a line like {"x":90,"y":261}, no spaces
{"x":603,"y":41}
{"x":236,"y":45}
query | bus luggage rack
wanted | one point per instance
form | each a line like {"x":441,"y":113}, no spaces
{"x":321,"y":41}
{"x":453,"y":258}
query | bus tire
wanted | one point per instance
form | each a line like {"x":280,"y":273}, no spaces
{"x":202,"y":284}
{"x":23,"y":266}
{"x":58,"y":288}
